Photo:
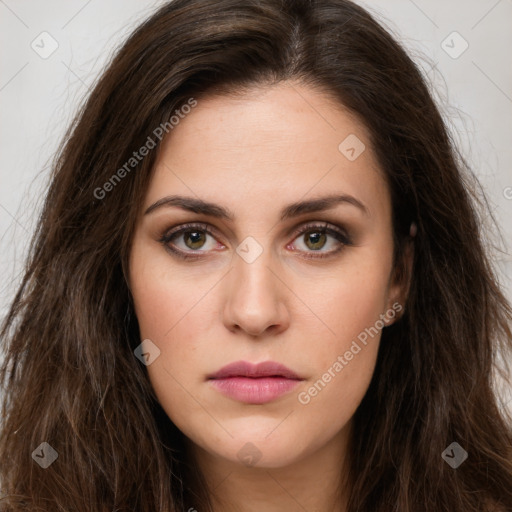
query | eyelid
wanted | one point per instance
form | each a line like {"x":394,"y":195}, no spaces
{"x":324,"y":226}
{"x":168,"y":234}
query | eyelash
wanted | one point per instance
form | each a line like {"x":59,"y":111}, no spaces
{"x":323,"y":228}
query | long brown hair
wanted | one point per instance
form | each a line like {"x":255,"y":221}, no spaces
{"x":70,"y":377}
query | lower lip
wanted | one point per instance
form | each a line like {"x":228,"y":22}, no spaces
{"x":254,"y":390}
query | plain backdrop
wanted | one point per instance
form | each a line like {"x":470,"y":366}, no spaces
{"x":53,"y":51}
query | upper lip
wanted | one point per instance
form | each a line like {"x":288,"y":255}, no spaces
{"x":246,"y":369}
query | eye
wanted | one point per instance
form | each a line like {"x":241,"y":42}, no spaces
{"x":193,"y":237}
{"x":315,"y":237}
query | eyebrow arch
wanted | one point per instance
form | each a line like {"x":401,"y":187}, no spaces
{"x":292,"y":210}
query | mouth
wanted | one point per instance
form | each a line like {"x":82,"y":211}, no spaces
{"x":254,"y":384}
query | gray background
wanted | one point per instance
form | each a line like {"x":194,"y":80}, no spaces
{"x":39,"y":96}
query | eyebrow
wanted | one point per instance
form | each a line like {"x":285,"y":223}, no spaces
{"x":200,"y":206}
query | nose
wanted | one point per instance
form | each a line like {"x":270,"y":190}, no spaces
{"x":256,"y":298}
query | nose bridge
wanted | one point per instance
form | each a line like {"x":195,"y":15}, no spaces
{"x":255,"y":299}
{"x":252,"y":269}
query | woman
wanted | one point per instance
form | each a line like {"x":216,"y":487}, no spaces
{"x":258,"y":283}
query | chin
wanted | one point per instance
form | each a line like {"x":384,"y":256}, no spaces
{"x":262,"y":447}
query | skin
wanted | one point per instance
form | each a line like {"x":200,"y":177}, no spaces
{"x":255,"y":155}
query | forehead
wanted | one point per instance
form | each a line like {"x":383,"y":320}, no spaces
{"x":285,"y":141}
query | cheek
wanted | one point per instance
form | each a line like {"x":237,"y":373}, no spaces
{"x":347,"y":301}
{"x":175,"y":373}
{"x":171,"y":310}
{"x":166,"y":300}
{"x":343,"y":360}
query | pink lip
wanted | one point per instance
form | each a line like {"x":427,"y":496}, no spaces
{"x":254,"y":384}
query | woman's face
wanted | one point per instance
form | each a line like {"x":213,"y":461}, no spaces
{"x":266,"y":284}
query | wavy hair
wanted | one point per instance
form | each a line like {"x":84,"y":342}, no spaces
{"x":69,"y":375}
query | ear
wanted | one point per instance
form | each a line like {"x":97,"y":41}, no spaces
{"x":400,"y":281}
